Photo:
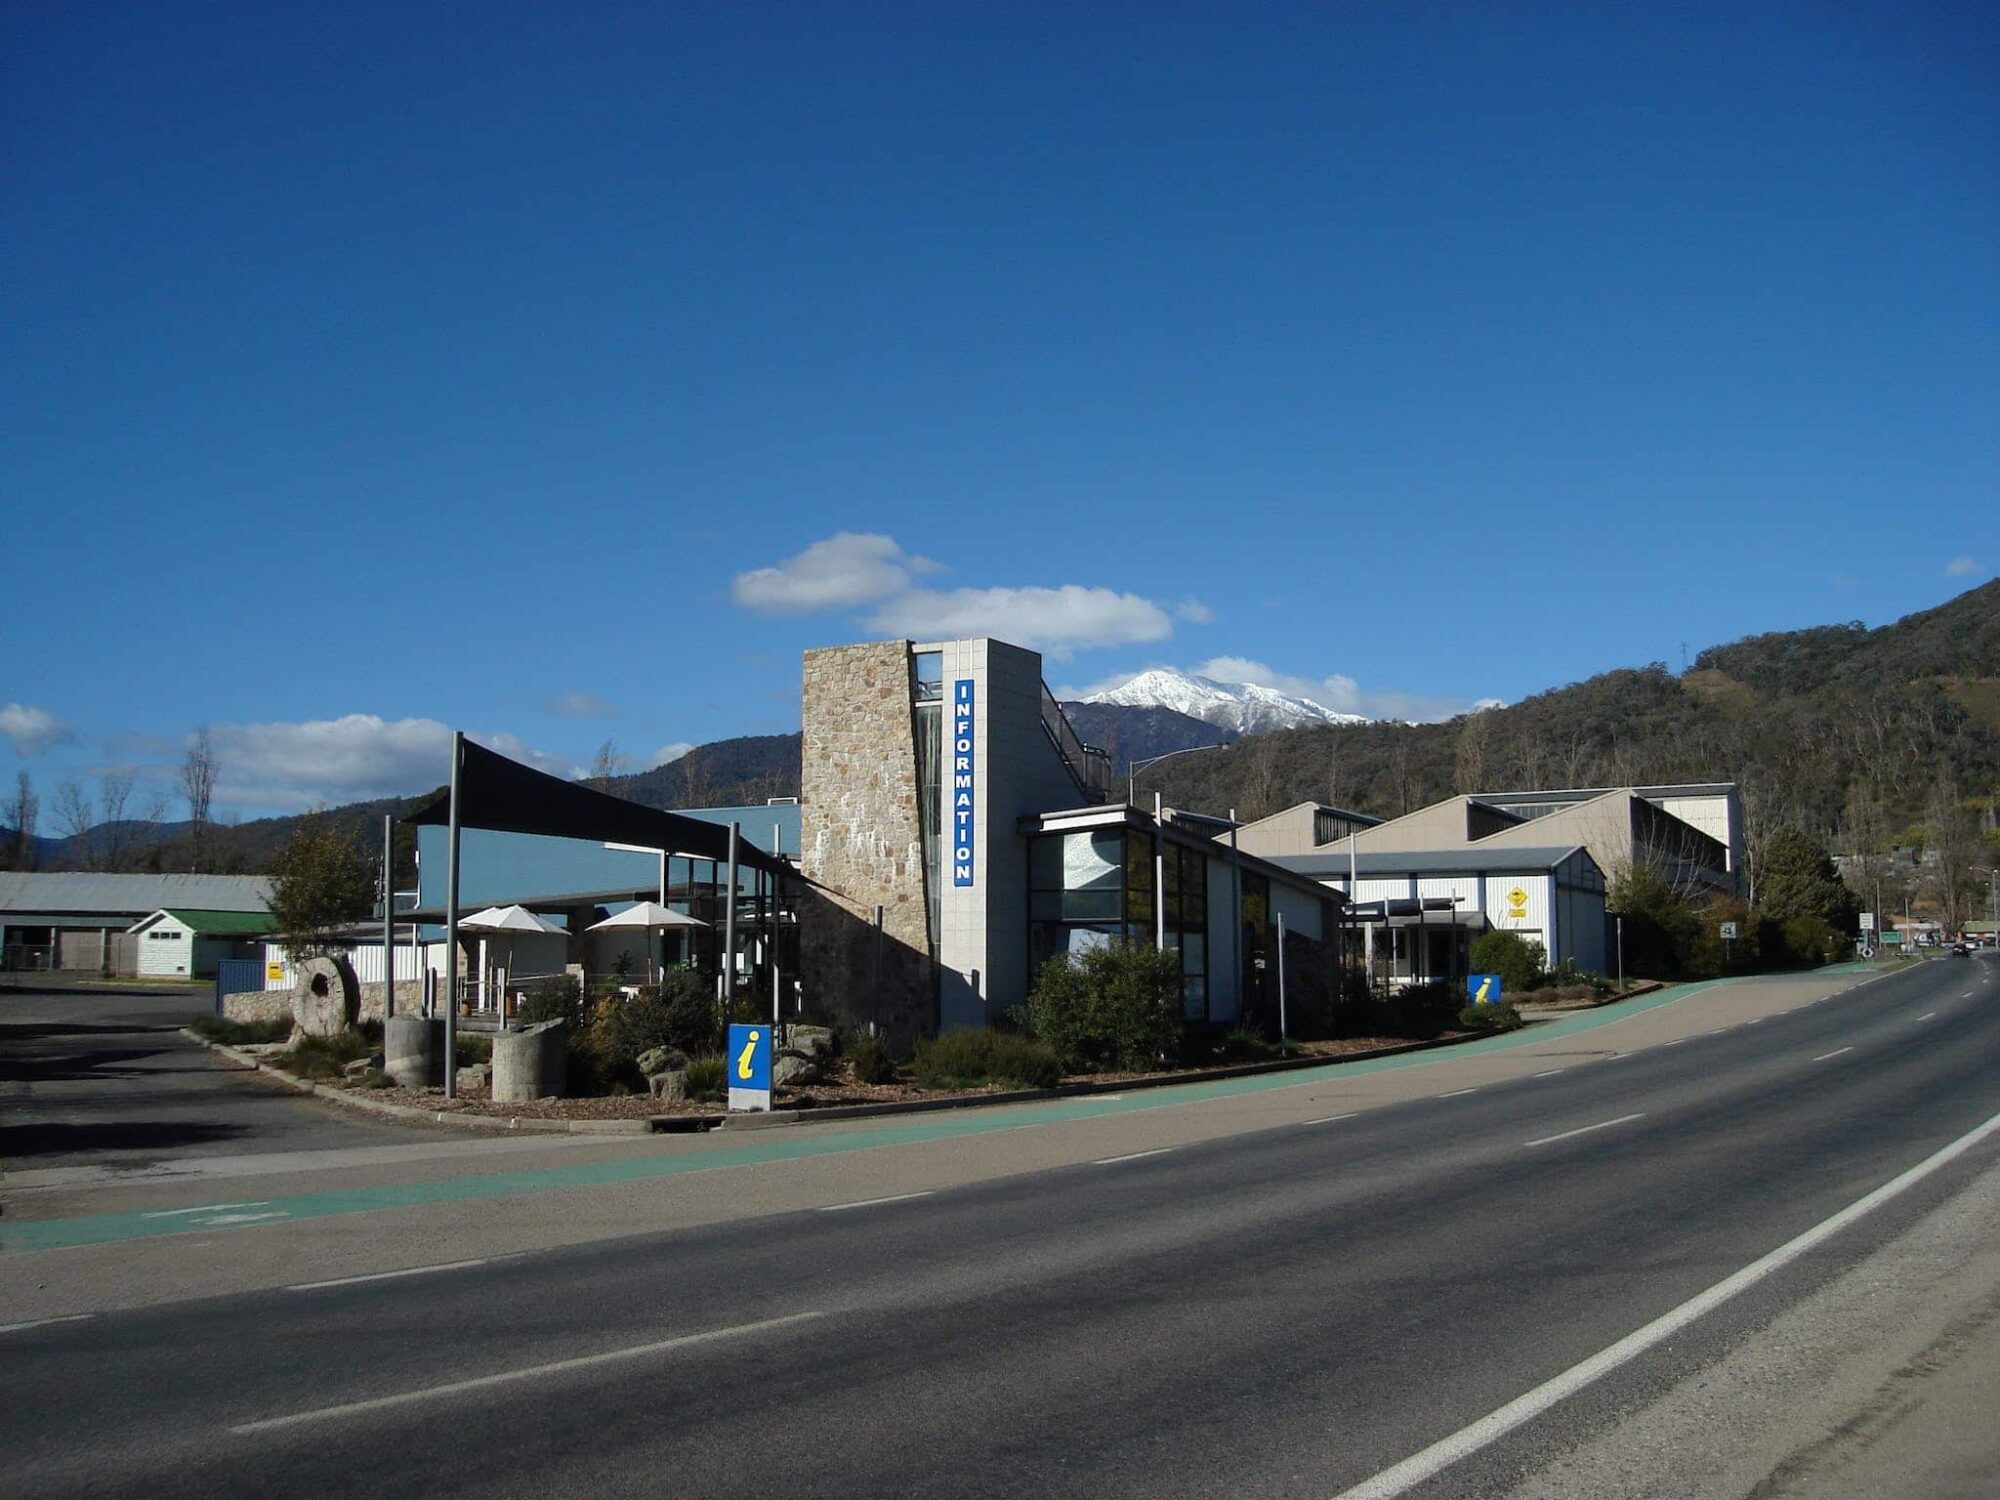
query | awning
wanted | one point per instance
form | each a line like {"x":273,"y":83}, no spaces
{"x":505,"y":796}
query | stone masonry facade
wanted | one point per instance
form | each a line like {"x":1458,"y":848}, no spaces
{"x":861,"y":843}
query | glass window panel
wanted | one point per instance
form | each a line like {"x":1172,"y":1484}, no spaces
{"x":1045,"y":864}
{"x":1045,"y":906}
{"x":1194,"y":953}
{"x":1090,"y":906}
{"x":1092,"y":861}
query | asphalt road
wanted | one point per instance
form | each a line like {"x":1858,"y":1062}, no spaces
{"x":99,"y":1076}
{"x":1279,"y":1312}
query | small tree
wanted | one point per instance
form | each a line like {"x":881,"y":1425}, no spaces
{"x":320,"y":882}
{"x":198,"y":786}
{"x":1115,"y":1008}
{"x":1796,"y":878}
{"x":1520,"y":962}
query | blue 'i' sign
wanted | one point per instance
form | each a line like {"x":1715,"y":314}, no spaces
{"x":961,"y":782}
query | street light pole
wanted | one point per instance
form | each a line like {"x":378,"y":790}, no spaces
{"x":1133,"y":769}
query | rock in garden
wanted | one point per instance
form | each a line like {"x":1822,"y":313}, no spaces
{"x":472,"y":1076}
{"x":810,"y":1041}
{"x":791,"y":1069}
{"x":656,"y":1060}
{"x":359,"y":1066}
{"x":670,"y":1086}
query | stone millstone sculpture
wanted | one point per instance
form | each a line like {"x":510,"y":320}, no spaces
{"x":325,"y":1000}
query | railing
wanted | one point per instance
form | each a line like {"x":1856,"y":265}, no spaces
{"x":1089,"y":765}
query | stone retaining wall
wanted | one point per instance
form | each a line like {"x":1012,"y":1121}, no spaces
{"x":274,"y":1005}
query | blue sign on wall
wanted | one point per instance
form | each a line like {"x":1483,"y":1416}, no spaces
{"x":961,"y":782}
{"x":749,"y":1061}
{"x":1482,"y":989}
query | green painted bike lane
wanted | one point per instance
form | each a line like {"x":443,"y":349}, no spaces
{"x":98,"y":1229}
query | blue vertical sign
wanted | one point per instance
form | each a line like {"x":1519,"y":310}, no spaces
{"x":749,"y":1062}
{"x":1482,"y":989}
{"x":961,"y":782}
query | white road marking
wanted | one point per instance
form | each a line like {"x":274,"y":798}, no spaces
{"x":1676,"y":1041}
{"x":452,"y":1265}
{"x":1586,"y":1129}
{"x":1418,"y":1467}
{"x":45,"y":1322}
{"x":205,"y":1208}
{"x":217,"y":1220}
{"x":1613,"y":1056}
{"x":531,"y":1372}
{"x":835,"y":1208}
{"x":1327,"y":1119}
{"x":1926,"y":1015}
{"x":1112,"y":1161}
{"x":1834,"y":1053}
{"x":1549,"y":1073}
{"x":1458,"y":1093}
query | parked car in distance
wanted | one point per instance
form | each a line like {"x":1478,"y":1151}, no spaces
{"x":1959,"y":950}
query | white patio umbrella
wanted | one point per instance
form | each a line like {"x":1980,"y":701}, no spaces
{"x":505,"y":921}
{"x":649,"y":916}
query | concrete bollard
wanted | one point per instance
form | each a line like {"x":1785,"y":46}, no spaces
{"x":528,"y":1064}
{"x":413,"y":1050}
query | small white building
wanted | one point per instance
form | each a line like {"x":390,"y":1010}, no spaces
{"x":187,"y":944}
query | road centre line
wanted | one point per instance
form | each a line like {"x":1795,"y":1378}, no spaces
{"x":45,"y":1322}
{"x":450,"y":1265}
{"x":1834,"y":1053}
{"x":1586,"y":1129}
{"x":1549,"y":1073}
{"x":835,"y":1208}
{"x":1112,"y":1161}
{"x":1458,"y":1093}
{"x":1327,"y":1119}
{"x":530,"y":1372}
{"x":1399,"y":1478}
{"x":1926,"y":1015}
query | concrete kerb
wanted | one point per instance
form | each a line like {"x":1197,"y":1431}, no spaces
{"x":505,"y":1125}
{"x":1652,"y":992}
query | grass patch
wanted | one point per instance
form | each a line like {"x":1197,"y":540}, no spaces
{"x":973,"y":1059}
{"x":323,"y":1056}
{"x":707,"y":1079}
{"x":1489,"y":1018}
{"x":240,"y":1033}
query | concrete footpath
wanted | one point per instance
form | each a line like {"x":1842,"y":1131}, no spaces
{"x":350,"y":1210}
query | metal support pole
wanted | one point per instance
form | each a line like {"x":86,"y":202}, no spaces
{"x":388,"y":917}
{"x":1159,"y":874}
{"x":451,"y":924}
{"x":728,"y":976}
{"x":1282,"y":1045}
{"x":875,"y":975}
{"x":1621,"y":954}
{"x":1236,"y":908}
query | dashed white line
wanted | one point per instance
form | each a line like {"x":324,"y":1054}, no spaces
{"x":1400,"y":1478}
{"x":1586,"y":1129}
{"x":835,"y":1208}
{"x":1834,"y":1053}
{"x":1676,"y":1041}
{"x":531,"y":1372}
{"x":1112,"y":1161}
{"x":1549,"y":1073}
{"x":451,"y":1265}
{"x":45,"y":1322}
{"x":1458,"y":1093}
{"x":1926,"y":1015}
{"x":203,"y":1208}
{"x":1327,"y":1119}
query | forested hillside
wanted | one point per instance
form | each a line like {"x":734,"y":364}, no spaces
{"x":1853,"y":735}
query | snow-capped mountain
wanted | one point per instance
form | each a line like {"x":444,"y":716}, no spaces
{"x":1241,"y":707}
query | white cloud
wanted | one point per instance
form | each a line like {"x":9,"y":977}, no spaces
{"x":347,"y":759}
{"x":667,"y":754}
{"x":1194,"y":612}
{"x":582,"y":706}
{"x":1339,"y":693}
{"x":32,"y":729}
{"x":1056,"y":621}
{"x":838,"y":572}
{"x":1961,"y":567}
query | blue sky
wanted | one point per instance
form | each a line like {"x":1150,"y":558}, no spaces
{"x":560,"y":373}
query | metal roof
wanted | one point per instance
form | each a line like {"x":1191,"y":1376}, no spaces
{"x":132,"y":896}
{"x":224,"y":923}
{"x":1468,"y":861}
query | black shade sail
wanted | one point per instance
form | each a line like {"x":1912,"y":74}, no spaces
{"x":504,"y":795}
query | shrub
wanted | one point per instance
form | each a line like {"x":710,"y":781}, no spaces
{"x":967,"y":1059}
{"x":871,"y":1060}
{"x":1111,"y":1009}
{"x":1489,"y":1018}
{"x":1240,"y":1044}
{"x":1517,"y":960}
{"x":707,"y":1079}
{"x":469,"y":1050}
{"x":554,"y":999}
{"x":240,"y":1033}
{"x":1422,"y":1010}
{"x":680,"y":1013}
